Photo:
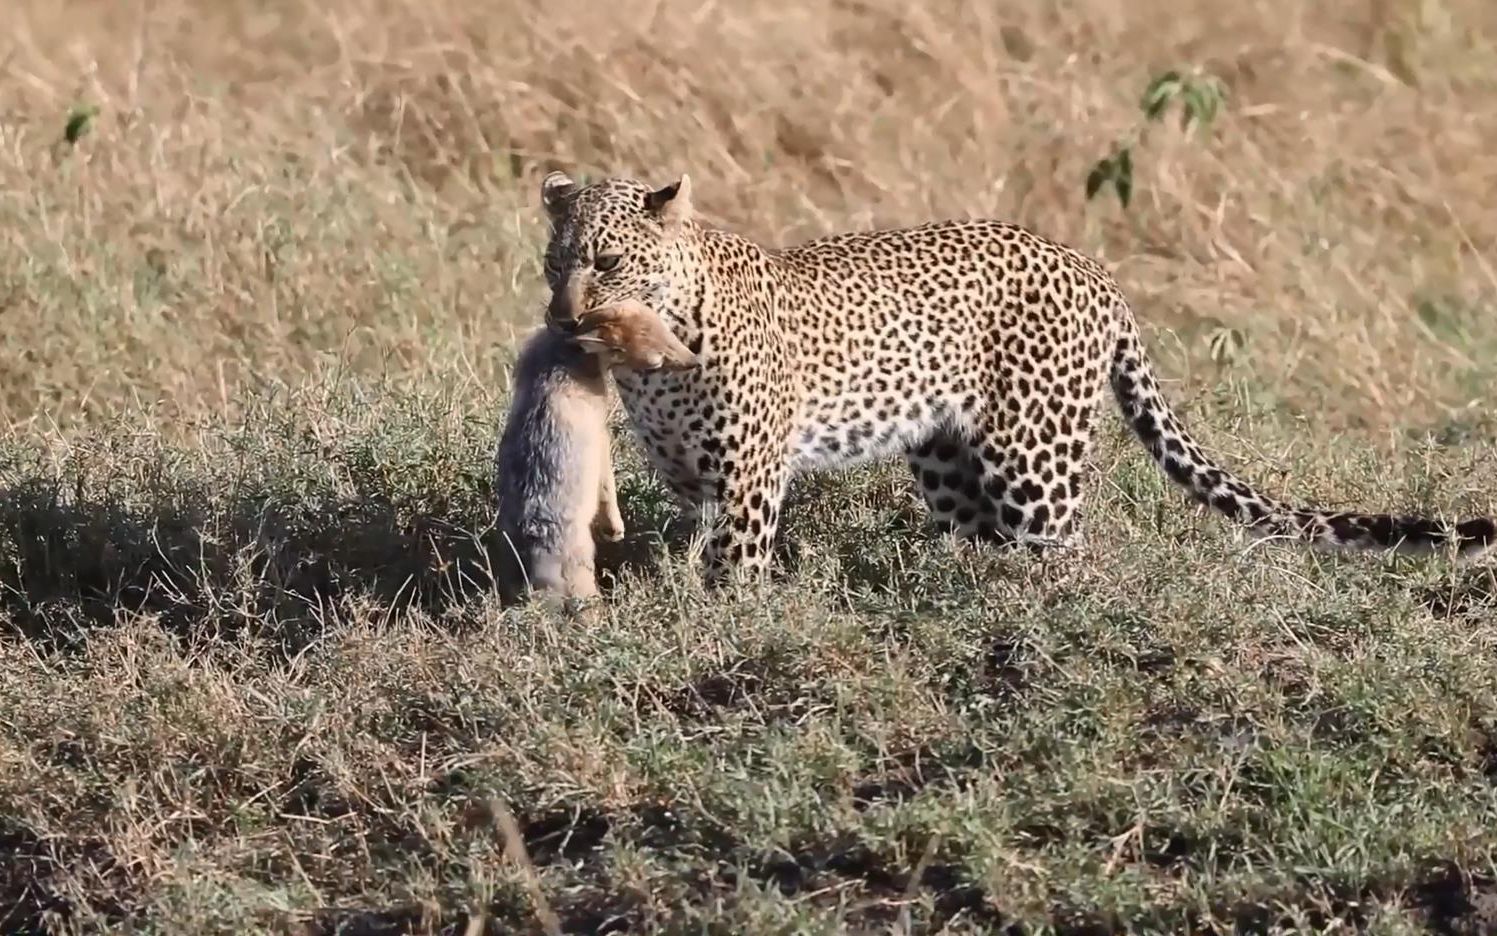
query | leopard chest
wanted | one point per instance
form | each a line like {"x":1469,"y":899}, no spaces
{"x":677,"y":426}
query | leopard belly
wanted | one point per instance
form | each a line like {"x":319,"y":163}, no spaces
{"x":843,"y":431}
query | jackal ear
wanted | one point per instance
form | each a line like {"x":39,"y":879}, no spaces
{"x":672,"y":204}
{"x":555,"y":188}
{"x":587,"y":323}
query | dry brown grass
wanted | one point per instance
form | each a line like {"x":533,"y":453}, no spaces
{"x":295,"y":164}
{"x":254,"y":333}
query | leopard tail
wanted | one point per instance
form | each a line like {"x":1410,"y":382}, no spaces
{"x":1183,"y":460}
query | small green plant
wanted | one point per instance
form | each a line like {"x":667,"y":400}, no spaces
{"x":80,"y":118}
{"x":1225,"y":344}
{"x":1116,"y":170}
{"x":1201,"y":97}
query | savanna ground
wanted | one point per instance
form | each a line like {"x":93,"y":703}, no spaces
{"x":256,"y":320}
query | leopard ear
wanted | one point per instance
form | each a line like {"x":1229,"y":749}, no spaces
{"x":672,"y":204}
{"x":555,"y":188}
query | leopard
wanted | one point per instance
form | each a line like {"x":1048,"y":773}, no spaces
{"x":978,"y":350}
{"x":553,"y":462}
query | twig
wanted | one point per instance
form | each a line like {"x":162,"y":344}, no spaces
{"x":912,"y":886}
{"x":514,"y":847}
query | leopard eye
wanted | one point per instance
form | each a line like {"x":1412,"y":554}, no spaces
{"x":605,"y":262}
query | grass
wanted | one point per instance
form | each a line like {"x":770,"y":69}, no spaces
{"x":258,"y":312}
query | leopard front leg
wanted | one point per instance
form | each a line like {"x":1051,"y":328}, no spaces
{"x":687,"y":493}
{"x":747,"y":460}
{"x":750,"y":492}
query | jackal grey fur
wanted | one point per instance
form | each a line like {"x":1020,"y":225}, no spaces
{"x":554,"y":468}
